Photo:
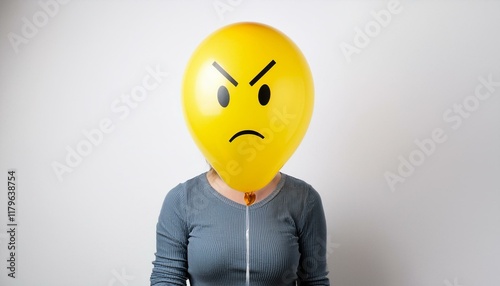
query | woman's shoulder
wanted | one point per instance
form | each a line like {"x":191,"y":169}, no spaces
{"x":294,"y":184}
{"x":303,"y":200}
{"x":298,"y":192}
{"x":185,"y":189}
{"x":194,"y":183}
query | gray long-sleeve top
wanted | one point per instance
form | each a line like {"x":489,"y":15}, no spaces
{"x":201,"y":237}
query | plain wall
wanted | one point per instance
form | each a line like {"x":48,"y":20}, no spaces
{"x":428,"y":76}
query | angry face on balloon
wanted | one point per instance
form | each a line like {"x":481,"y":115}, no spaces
{"x":248,"y":99}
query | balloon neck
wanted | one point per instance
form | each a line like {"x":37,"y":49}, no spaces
{"x":249,"y":198}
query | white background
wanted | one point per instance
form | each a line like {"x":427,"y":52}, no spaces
{"x":96,"y":226}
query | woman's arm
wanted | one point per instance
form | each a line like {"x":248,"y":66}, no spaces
{"x":170,"y":265}
{"x":312,"y":243}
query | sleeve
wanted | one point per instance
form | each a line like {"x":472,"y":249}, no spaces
{"x":170,"y":265}
{"x":312,"y":243}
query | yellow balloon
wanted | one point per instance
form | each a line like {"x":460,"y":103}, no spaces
{"x":248,"y":97}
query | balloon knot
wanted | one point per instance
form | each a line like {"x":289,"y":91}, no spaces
{"x":249,"y":198}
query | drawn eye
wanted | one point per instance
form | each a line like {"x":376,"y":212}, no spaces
{"x":264,"y":94}
{"x":223,"y":96}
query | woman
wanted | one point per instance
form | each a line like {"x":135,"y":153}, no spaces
{"x":248,"y":99}
{"x":201,"y":235}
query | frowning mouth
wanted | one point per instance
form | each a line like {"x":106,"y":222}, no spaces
{"x":244,"y":132}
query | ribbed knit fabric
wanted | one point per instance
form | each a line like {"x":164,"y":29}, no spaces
{"x":201,"y":237}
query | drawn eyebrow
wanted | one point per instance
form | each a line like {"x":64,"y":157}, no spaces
{"x":225,"y":74}
{"x":262,"y":72}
